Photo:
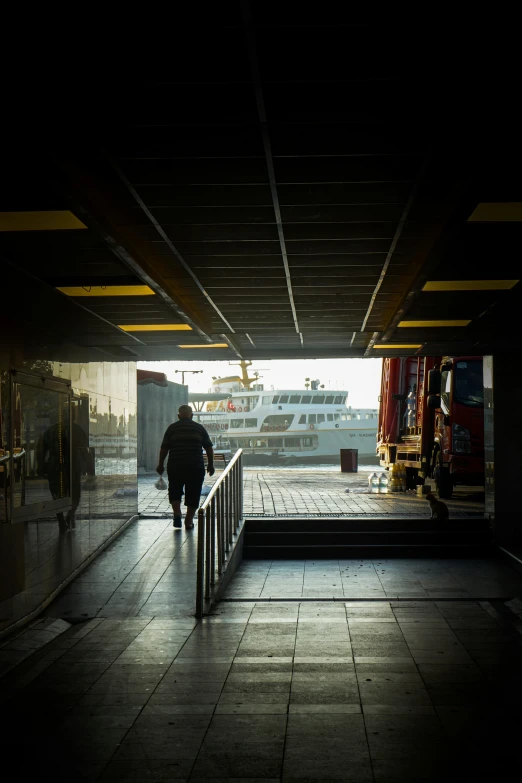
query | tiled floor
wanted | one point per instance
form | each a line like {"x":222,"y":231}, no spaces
{"x":374,"y":579}
{"x":404,"y":670}
{"x":355,"y":691}
{"x":297,"y":492}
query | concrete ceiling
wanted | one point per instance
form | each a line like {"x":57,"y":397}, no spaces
{"x":285,"y":190}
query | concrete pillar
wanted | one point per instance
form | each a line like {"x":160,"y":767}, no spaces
{"x":503,"y":396}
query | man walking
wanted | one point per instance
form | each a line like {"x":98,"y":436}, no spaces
{"x":184,"y":442}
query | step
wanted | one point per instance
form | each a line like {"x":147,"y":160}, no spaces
{"x":367,"y":551}
{"x":327,"y":524}
{"x":351,"y":537}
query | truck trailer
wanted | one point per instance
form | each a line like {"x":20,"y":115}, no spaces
{"x":431,"y":419}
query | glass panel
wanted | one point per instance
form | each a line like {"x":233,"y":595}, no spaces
{"x":275,"y":399}
{"x":320,"y":418}
{"x":4,"y":445}
{"x":312,"y":418}
{"x":41,"y":445}
{"x":295,"y":399}
{"x":302,"y":418}
{"x":283,"y":398}
{"x":338,"y":400}
{"x":329,"y":400}
{"x":345,"y":416}
{"x":306,"y":399}
{"x":267,"y":400}
{"x":292,"y":442}
{"x":318,"y":399}
{"x":250,"y":422}
{"x":237,"y":424}
{"x":277,"y":422}
{"x":330,"y":416}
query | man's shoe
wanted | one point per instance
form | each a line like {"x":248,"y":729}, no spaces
{"x":177,"y":522}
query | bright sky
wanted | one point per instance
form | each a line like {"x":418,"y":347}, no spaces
{"x":361,"y":378}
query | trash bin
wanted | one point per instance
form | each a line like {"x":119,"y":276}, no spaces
{"x":349,"y":459}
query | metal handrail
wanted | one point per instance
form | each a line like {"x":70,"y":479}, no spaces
{"x":219,"y":520}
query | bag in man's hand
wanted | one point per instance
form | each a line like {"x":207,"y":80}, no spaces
{"x":160,"y":484}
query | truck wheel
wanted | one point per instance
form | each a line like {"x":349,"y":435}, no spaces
{"x":443,"y":480}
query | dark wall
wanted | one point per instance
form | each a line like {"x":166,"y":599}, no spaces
{"x":506,"y":471}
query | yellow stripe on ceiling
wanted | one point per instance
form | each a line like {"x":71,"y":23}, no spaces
{"x":107,"y":290}
{"x":208,"y":345}
{"x":497,"y":212}
{"x":50,"y":220}
{"x":469,"y":285}
{"x":155,"y":327}
{"x":422,"y":324}
{"x":395,"y":346}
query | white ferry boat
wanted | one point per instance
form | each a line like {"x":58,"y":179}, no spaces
{"x":291,"y":426}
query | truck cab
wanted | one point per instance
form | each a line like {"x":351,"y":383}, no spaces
{"x":456,"y":394}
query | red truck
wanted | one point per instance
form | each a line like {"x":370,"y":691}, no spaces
{"x":431,"y":419}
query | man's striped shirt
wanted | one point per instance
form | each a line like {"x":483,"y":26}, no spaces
{"x":185,"y":440}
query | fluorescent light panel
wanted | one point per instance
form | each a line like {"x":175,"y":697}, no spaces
{"x":155,"y":327}
{"x":395,"y":346}
{"x":497,"y":212}
{"x":206,"y":345}
{"x":107,"y":290}
{"x":48,"y":220}
{"x":469,"y":285}
{"x":429,"y":324}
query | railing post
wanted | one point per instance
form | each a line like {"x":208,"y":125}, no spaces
{"x":201,"y":564}
{"x":208,"y":553}
{"x":223,"y":528}
{"x":241,"y":487}
{"x":229,"y":511}
{"x":213,"y":541}
{"x":219,"y":532}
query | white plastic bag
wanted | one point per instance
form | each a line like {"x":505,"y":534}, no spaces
{"x":160,"y":484}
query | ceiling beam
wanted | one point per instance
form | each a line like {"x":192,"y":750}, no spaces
{"x":261,"y":110}
{"x":98,"y":206}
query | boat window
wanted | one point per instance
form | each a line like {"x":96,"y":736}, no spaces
{"x":317,"y":399}
{"x":292,"y":442}
{"x":345,"y":416}
{"x":338,"y":400}
{"x":277,"y":422}
{"x":237,"y":424}
{"x":337,"y":416}
{"x":253,"y":402}
{"x":302,"y":419}
{"x":312,"y":418}
{"x":283,"y":398}
{"x":243,"y":443}
{"x":320,"y":418}
{"x":307,"y":441}
{"x":329,"y":400}
{"x":267,"y":400}
{"x":233,"y":443}
{"x":295,"y":399}
{"x":306,"y":399}
{"x":358,"y":415}
{"x":250,"y":422}
{"x":330,"y":416}
{"x":275,"y":399}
